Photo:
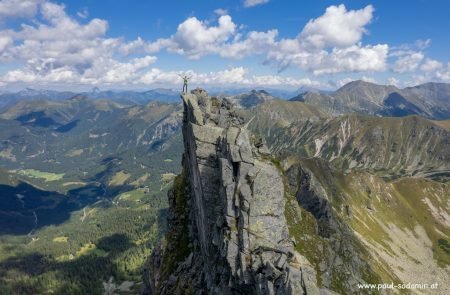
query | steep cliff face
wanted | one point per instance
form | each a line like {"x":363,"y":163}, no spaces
{"x":228,"y":232}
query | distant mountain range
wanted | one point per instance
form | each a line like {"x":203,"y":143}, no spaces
{"x":129,"y":97}
{"x":122,"y":96}
{"x":86,"y":145}
{"x":94,"y":128}
{"x":430,"y":100}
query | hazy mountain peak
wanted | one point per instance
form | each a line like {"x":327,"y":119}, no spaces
{"x":31,"y":91}
{"x":95,"y":90}
{"x":431,"y":100}
{"x":250,"y":99}
{"x":361,"y":84}
{"x":78,"y":98}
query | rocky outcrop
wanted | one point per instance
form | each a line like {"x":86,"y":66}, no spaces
{"x":227,"y":228}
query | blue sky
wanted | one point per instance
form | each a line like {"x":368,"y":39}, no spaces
{"x":225,"y":43}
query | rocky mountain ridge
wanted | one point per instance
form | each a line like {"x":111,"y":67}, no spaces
{"x":238,"y":236}
{"x":430,"y":100}
{"x":391,"y":147}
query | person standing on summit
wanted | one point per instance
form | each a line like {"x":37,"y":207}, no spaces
{"x":185,"y":82}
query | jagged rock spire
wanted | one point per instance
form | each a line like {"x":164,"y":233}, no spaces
{"x":238,"y":235}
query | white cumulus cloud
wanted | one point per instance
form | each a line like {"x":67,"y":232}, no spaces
{"x":6,"y":43}
{"x":444,"y":74}
{"x":18,"y":8}
{"x":408,"y":62}
{"x":338,"y":27}
{"x":430,"y":65}
{"x":254,"y":43}
{"x":332,"y":44}
{"x":251,"y":3}
{"x":355,"y":58}
{"x":60,"y":49}
{"x":233,"y":77}
{"x":221,"y":11}
{"x":195,"y":39}
{"x":328,"y":44}
{"x":422,"y":44}
{"x":54,"y":47}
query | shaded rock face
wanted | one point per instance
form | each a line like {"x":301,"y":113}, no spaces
{"x":344,"y":258}
{"x":237,"y":232}
{"x":313,"y":198}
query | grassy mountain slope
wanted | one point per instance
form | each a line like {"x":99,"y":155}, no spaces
{"x":388,"y":146}
{"x":400,"y":227}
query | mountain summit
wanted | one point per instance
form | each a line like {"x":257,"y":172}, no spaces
{"x":430,"y":100}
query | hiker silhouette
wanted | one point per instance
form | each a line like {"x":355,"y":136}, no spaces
{"x":185,"y":82}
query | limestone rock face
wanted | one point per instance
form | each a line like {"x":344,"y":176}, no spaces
{"x":238,"y":238}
